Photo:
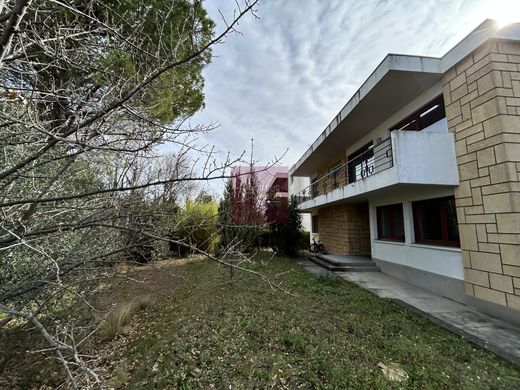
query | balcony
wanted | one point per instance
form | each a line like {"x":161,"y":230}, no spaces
{"x":406,"y":157}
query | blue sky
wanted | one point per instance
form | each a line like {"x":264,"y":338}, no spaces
{"x":293,"y":69}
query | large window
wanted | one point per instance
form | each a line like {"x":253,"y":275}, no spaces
{"x":390,"y":224}
{"x":361,"y":163}
{"x":435,"y":222}
{"x":427,"y":115}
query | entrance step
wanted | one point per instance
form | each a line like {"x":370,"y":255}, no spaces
{"x":345,"y":263}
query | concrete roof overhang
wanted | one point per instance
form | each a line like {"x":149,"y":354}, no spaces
{"x":394,"y":83}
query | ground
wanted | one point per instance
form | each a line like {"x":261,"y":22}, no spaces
{"x":205,"y":329}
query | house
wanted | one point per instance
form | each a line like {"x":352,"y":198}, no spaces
{"x":420,"y":170}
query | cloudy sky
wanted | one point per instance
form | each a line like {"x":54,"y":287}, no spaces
{"x":294,"y":68}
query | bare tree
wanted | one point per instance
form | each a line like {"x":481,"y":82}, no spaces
{"x":88,"y":90}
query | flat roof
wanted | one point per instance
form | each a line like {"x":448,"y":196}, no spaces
{"x":377,"y":99}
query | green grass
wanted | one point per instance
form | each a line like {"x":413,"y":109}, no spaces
{"x":221,"y":333}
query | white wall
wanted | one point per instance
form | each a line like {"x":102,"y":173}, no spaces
{"x":445,"y":261}
{"x":296,"y":184}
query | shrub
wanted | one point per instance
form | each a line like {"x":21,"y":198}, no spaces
{"x":305,"y":239}
{"x":196,"y":225}
{"x":116,"y":321}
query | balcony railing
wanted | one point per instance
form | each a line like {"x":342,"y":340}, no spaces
{"x":374,"y":160}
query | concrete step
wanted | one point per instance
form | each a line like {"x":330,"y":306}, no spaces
{"x":351,"y":261}
{"x":367,"y":266}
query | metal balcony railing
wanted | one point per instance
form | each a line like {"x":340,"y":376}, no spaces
{"x":374,"y":160}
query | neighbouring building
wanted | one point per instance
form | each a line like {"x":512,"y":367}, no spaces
{"x":421,"y":171}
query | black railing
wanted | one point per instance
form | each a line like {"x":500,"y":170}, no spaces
{"x":374,"y":160}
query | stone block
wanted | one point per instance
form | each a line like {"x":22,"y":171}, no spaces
{"x":468,"y":170}
{"x":508,"y":223}
{"x":486,"y":157}
{"x":460,"y":147}
{"x":466,"y":262}
{"x":468,"y":289}
{"x":490,"y":295}
{"x":498,"y":203}
{"x":489,"y":109}
{"x":512,"y":270}
{"x":491,"y":227}
{"x":476,"y":277}
{"x":496,"y":188}
{"x":469,"y":97}
{"x":513,"y":301}
{"x":486,"y":261}
{"x":512,"y":152}
{"x":501,"y":282}
{"x":486,"y":218}
{"x":459,"y":92}
{"x":504,"y":238}
{"x":486,"y":247}
{"x":468,"y":237}
{"x":489,"y":81}
{"x":457,"y":81}
{"x":510,"y":254}
{"x":512,"y":101}
{"x":507,"y":47}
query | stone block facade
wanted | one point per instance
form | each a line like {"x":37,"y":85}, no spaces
{"x":345,"y":229}
{"x":330,"y":179}
{"x":482,"y":97}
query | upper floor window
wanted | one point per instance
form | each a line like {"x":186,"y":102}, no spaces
{"x":361,"y":163}
{"x":435,"y":222}
{"x":427,"y":115}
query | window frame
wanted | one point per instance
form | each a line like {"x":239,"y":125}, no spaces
{"x":443,"y":223}
{"x":416,"y":116}
{"x":379,"y":221}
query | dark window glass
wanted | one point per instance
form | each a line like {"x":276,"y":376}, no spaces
{"x":435,"y":222}
{"x":361,"y":163}
{"x":390,"y":223}
{"x":429,"y":114}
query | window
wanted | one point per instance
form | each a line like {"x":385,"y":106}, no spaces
{"x":390,"y":223}
{"x":361,"y":163}
{"x":315,"y":224}
{"x":435,"y":222}
{"x":429,"y":114}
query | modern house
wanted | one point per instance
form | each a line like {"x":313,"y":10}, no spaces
{"x":421,"y":171}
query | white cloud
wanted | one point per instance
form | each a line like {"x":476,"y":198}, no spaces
{"x":292,"y":70}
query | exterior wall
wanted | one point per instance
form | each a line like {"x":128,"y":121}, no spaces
{"x":327,"y":184}
{"x":345,"y":229}
{"x":297,"y":184}
{"x":435,"y":268}
{"x":482,"y":95}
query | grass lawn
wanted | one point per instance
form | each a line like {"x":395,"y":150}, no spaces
{"x":214,"y":332}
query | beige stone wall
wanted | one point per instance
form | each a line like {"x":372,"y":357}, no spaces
{"x":482,"y":96}
{"x":327,"y":184}
{"x":345,"y":229}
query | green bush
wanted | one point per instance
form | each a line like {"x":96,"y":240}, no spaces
{"x":305,"y":239}
{"x":196,"y":225}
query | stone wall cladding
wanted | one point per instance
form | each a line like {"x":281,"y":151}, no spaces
{"x":482,"y":97}
{"x":345,"y":229}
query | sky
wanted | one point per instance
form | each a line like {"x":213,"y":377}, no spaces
{"x":292,"y":69}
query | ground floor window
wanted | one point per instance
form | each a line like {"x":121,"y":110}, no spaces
{"x":435,"y":222}
{"x":390,"y":222}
